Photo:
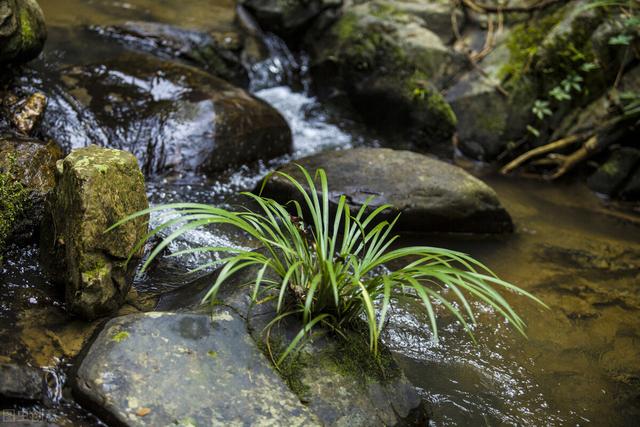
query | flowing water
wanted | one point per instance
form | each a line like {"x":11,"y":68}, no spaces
{"x":581,"y":361}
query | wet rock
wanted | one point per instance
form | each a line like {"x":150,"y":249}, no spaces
{"x":287,"y":17}
{"x":337,"y":380}
{"x":28,"y":169}
{"x":631,"y":190}
{"x":435,"y":15}
{"x":614,"y":172}
{"x":486,"y":118}
{"x":20,"y":382}
{"x":184,"y":368}
{"x":174,"y":118}
{"x":432,"y":196}
{"x":217,"y":52}
{"x":96,"y":187}
{"x":391,"y":67}
{"x":22,"y":30}
{"x":24,"y":114}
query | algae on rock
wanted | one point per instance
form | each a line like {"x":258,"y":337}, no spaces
{"x":96,"y":187}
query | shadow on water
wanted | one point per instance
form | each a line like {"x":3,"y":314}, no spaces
{"x":580,"y":363}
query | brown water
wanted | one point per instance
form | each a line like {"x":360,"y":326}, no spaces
{"x":581,"y":362}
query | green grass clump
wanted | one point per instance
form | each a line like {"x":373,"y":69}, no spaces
{"x":328,"y":270}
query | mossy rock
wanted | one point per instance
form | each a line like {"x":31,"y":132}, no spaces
{"x":96,"y":187}
{"x":391,"y":66}
{"x":27,"y":176}
{"x":22,"y":30}
{"x":615,"y":171}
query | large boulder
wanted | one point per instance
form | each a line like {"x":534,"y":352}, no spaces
{"x":22,"y":30}
{"x":219,"y":53}
{"x":28,"y":169}
{"x":172,"y":117}
{"x":163,"y":368}
{"x":96,"y":187}
{"x":391,"y":67}
{"x":430,"y":195}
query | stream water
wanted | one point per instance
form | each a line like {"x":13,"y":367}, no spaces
{"x":581,"y":361}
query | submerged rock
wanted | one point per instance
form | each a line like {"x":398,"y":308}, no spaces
{"x":430,"y":195}
{"x":96,"y":187}
{"x":22,"y":30}
{"x":29,"y":164}
{"x":220,"y":53}
{"x":172,"y":117}
{"x":186,"y":369}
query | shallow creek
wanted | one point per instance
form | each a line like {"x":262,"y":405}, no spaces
{"x":581,"y":361}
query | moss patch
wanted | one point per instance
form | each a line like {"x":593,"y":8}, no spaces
{"x":524,"y":43}
{"x":120,"y":336}
{"x":14,"y":198}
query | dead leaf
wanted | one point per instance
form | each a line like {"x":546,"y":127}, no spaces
{"x":141,"y":412}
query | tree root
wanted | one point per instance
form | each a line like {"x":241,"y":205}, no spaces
{"x":595,"y":140}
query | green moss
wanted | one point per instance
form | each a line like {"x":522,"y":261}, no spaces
{"x":430,"y":100}
{"x":524,"y":43}
{"x":14,"y":198}
{"x":291,"y":369}
{"x":352,"y":357}
{"x":212,"y":354}
{"x":26,"y":30}
{"x":120,"y":336}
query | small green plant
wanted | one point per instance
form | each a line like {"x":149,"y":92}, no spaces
{"x":330,"y":271}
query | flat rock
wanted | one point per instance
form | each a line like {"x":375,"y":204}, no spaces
{"x":432,"y":196}
{"x":163,"y":368}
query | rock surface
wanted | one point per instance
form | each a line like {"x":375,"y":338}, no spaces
{"x":20,"y":382}
{"x":432,"y":196}
{"x":29,"y":164}
{"x":96,"y":187}
{"x":22,"y":30}
{"x":173,"y":117}
{"x":288,"y":17}
{"x":217,"y":52}
{"x":612,"y":175}
{"x":186,"y":369}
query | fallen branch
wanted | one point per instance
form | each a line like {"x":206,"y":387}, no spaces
{"x":548,"y":148}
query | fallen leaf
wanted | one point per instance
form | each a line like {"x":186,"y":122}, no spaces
{"x":143,"y":411}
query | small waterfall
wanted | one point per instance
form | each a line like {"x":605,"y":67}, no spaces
{"x":280,"y":67}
